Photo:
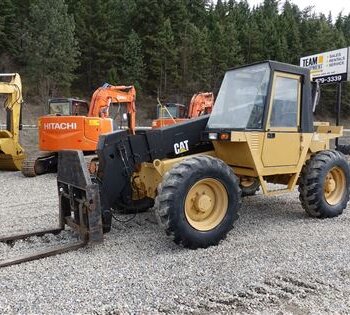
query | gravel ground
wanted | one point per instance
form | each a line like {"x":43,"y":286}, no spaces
{"x":276,"y":260}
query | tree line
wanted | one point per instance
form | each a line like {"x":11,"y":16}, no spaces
{"x":167,"y":48}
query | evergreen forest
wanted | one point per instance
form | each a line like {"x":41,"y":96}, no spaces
{"x":166,"y":48}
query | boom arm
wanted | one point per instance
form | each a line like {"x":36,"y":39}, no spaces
{"x":201,"y":104}
{"x":120,"y":154}
{"x":107,"y":94}
{"x":13,"y":90}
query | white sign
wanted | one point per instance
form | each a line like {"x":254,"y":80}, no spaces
{"x":328,"y":67}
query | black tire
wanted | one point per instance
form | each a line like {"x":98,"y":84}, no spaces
{"x":172,"y":192}
{"x":250,"y":190}
{"x":344,"y":148}
{"x":313,"y":180}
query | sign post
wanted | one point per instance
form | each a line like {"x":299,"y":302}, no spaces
{"x":327,"y":68}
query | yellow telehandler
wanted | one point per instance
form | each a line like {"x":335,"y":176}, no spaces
{"x":261,"y":130}
{"x":11,"y":152}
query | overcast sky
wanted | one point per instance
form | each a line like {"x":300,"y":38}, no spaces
{"x":323,"y":6}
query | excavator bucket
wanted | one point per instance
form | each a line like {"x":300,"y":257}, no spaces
{"x":11,"y":163}
{"x":11,"y":153}
{"x":83,"y":215}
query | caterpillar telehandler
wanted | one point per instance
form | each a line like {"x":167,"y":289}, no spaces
{"x":11,"y":152}
{"x":73,"y":124}
{"x":261,"y":129}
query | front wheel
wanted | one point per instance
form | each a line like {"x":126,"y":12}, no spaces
{"x":198,"y":201}
{"x":324,"y":184}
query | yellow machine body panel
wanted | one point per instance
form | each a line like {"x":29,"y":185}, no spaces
{"x":11,"y":152}
{"x":274,"y":154}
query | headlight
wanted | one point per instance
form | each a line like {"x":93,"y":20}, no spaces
{"x":213,"y":136}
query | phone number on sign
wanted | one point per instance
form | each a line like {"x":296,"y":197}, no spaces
{"x":331,"y":79}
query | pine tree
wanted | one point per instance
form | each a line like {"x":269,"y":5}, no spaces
{"x":165,"y":59}
{"x":50,"y":47}
{"x":201,"y":63}
{"x":290,"y":21}
{"x":133,"y":66}
{"x":7,"y":21}
{"x":269,"y":24}
{"x":102,"y":33}
{"x":252,"y":41}
{"x":7,"y":15}
{"x":225,"y":50}
{"x":147,"y":19}
{"x":177,"y":13}
{"x":198,"y":11}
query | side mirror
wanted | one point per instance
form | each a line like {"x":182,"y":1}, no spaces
{"x":316,"y":94}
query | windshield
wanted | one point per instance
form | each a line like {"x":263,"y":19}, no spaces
{"x":61,"y":108}
{"x":241,"y":100}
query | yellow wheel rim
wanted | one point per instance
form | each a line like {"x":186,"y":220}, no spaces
{"x":206,"y":204}
{"x":334,"y":186}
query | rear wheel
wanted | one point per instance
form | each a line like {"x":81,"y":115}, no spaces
{"x":344,"y":148}
{"x":324,"y":184}
{"x":198,"y":201}
{"x":249,"y":186}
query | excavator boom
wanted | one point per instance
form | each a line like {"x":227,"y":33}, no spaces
{"x":201,"y":104}
{"x":107,"y":94}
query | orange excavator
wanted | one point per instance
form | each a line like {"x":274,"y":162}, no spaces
{"x":172,"y":113}
{"x":67,"y":128}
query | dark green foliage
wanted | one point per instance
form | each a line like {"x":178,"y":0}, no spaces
{"x":167,"y":48}
{"x":164,"y":59}
{"x":102,"y":26}
{"x":49,"y":47}
{"x":7,"y":13}
{"x":133,"y":67}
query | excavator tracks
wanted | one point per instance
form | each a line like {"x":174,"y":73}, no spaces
{"x":39,"y":163}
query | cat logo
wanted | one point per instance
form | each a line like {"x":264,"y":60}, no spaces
{"x":181,"y":147}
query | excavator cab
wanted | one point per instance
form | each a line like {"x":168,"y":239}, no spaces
{"x":68,"y":107}
{"x":172,"y":113}
{"x":118,"y":112}
{"x":171,"y":110}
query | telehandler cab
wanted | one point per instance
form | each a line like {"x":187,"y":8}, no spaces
{"x":261,"y":131}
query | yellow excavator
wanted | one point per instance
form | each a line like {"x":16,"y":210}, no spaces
{"x":11,"y":152}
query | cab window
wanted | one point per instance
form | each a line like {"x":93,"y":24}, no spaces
{"x":80,"y":108}
{"x":285,"y":102}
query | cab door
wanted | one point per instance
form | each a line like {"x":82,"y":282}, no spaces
{"x":282,"y":138}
